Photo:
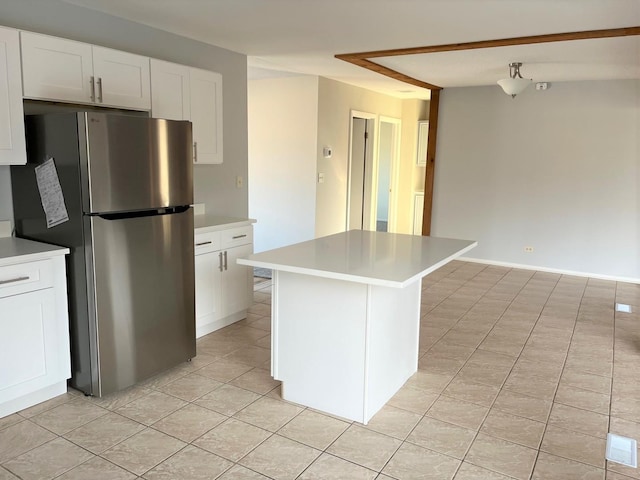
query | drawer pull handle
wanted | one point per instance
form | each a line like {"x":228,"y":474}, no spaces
{"x":235,"y":237}
{"x":13,"y":280}
{"x":203,"y":243}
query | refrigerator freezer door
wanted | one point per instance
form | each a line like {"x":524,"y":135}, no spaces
{"x":136,"y":163}
{"x":143,"y":298}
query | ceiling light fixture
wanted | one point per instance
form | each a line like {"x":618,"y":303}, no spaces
{"x":515,"y":84}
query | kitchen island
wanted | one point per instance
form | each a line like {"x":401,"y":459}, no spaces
{"x":346,"y":316}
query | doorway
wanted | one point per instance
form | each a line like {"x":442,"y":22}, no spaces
{"x":388,"y":155}
{"x":360,"y":181}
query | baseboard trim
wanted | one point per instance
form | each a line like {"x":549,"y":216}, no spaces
{"x":210,"y":327}
{"x":551,"y":270}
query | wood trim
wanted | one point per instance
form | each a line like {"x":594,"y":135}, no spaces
{"x":431,"y":162}
{"x":503,"y":42}
{"x":376,"y":67}
{"x":361,"y":59}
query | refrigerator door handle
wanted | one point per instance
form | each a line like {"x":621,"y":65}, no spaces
{"x":93,"y":89}
{"x":220,"y":259}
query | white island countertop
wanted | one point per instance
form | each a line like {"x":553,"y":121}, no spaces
{"x":212,"y":223}
{"x":375,"y":258}
{"x":13,"y":250}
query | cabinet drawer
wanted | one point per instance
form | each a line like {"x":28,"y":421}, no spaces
{"x":207,"y":242}
{"x":236,"y":236}
{"x":25,"y":277}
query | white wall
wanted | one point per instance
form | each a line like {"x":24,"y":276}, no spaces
{"x":556,"y":170}
{"x":283,"y":126}
{"x":214,"y":184}
{"x":336,"y":100}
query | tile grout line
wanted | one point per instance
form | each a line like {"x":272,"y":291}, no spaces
{"x":510,"y":371}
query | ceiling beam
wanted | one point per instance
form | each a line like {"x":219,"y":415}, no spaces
{"x":375,"y":67}
{"x":502,"y":42}
{"x":362,"y":59}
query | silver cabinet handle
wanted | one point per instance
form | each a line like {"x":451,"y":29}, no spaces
{"x":225,"y":260}
{"x":93,"y":89}
{"x":100,"y":89}
{"x":13,"y":280}
{"x":235,"y":237}
{"x":203,"y":243}
{"x":195,"y":152}
{"x":220,"y":258}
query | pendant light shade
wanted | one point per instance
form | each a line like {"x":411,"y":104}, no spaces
{"x":515,"y":84}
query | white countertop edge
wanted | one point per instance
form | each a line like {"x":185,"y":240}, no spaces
{"x":222,"y":223}
{"x":321,"y":273}
{"x":441,"y":263}
{"x":354,"y":278}
{"x":19,"y":250}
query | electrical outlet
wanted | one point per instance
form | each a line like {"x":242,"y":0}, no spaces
{"x":528,"y":249}
{"x":238,"y":181}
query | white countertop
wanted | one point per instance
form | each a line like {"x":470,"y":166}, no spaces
{"x":376,"y":258}
{"x":16,"y":250}
{"x":211,"y":223}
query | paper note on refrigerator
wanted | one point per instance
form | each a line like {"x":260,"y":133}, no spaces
{"x":51,"y":193}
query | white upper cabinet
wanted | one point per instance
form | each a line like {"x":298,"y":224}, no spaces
{"x":170,"y":90}
{"x":206,"y":115}
{"x":64,"y":70}
{"x":55,"y":68}
{"x":12,"y":143}
{"x":184,"y":93}
{"x":122,"y":79}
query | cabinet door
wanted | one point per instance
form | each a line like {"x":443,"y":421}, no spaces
{"x":207,"y":270}
{"x":122,"y":79}
{"x":206,"y":115}
{"x":29,"y":344}
{"x":12,"y":144}
{"x":169,"y":91}
{"x":56,"y":69}
{"x":237,"y":281}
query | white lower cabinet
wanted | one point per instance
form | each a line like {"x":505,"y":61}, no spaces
{"x":34,"y":333}
{"x":207,"y":290}
{"x":237,"y":286}
{"x":224,"y":289}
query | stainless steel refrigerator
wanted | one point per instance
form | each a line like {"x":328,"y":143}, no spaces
{"x":127,"y":185}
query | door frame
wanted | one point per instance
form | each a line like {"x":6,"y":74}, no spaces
{"x":393,"y":175}
{"x":367,"y":116}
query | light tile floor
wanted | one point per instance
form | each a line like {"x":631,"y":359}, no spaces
{"x":521,"y":376}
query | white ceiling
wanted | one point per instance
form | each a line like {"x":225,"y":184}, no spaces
{"x":302,"y":36}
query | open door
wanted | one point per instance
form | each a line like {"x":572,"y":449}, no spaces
{"x":384,"y":211}
{"x":360,"y":182}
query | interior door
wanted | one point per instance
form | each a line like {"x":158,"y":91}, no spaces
{"x":386,"y":174}
{"x":360,"y":174}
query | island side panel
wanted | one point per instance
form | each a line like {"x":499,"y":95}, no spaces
{"x":319,"y":342}
{"x":392,"y":342}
